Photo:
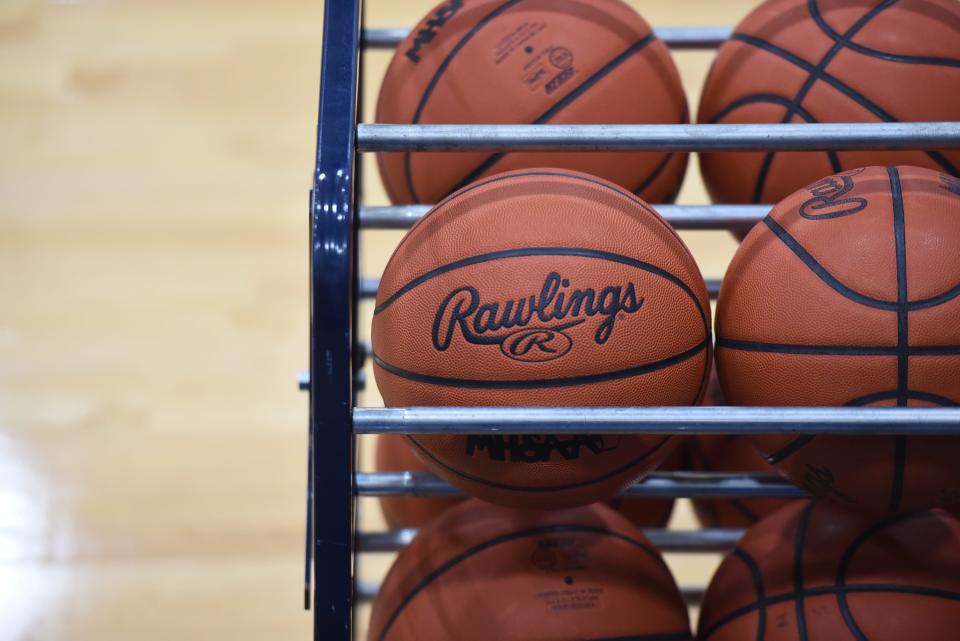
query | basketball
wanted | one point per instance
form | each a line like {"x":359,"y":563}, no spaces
{"x":848,"y":293}
{"x":542,"y":287}
{"x":393,"y":454}
{"x":730,"y":453}
{"x":806,"y":61}
{"x":482,"y":572}
{"x":652,"y":512}
{"x":532,"y":62}
{"x":727,"y":453}
{"x":816,"y":572}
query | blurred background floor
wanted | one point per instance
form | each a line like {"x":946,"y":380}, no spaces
{"x":156,"y":157}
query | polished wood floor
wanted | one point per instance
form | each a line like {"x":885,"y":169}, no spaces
{"x":155,"y":157}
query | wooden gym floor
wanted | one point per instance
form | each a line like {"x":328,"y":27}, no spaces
{"x":155,"y":157}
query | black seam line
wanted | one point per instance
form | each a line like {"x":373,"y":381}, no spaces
{"x":812,"y":78}
{"x":798,"y":544}
{"x":757,"y":577}
{"x":740,"y":505}
{"x":899,"y":232}
{"x":790,"y":449}
{"x":547,"y":251}
{"x":903,"y":337}
{"x":428,"y":91}
{"x":566,"y":381}
{"x":847,"y":558}
{"x":853,"y":588}
{"x":840,"y":86}
{"x":616,"y":189}
{"x":797,"y":100}
{"x":541,"y":488}
{"x":562,"y":104}
{"x":505,"y":538}
{"x":820,"y":271}
{"x":762,"y":98}
{"x":836,"y":350}
{"x":915,"y":395}
{"x":883,"y":55}
{"x":659,"y":169}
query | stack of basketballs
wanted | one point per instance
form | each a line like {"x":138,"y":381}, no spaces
{"x":546,"y":279}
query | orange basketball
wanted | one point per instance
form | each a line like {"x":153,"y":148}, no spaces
{"x":394,"y":453}
{"x":652,"y":512}
{"x":730,"y":453}
{"x":849,"y":294}
{"x":482,"y":573}
{"x":530,"y":62}
{"x":802,"y":61}
{"x":817,"y":572}
{"x":542,"y":287}
{"x":727,"y":453}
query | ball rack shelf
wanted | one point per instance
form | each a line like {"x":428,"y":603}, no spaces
{"x":336,"y":288}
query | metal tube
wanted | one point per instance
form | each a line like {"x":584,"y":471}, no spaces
{"x":819,"y":137}
{"x":680,"y":216}
{"x":367,"y":591}
{"x":674,"y":37}
{"x":705,"y":540}
{"x":658,"y":420}
{"x":657,"y":485}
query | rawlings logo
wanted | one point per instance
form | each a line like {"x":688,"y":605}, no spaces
{"x":440,"y":17}
{"x":827,"y":201}
{"x":554,"y":310}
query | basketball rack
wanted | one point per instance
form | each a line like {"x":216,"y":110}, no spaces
{"x":337,"y":358}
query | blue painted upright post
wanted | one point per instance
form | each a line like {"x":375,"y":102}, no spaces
{"x":331,"y":309}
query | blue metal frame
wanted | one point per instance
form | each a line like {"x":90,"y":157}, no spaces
{"x":332,"y":309}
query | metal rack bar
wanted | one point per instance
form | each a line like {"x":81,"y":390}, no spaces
{"x":657,"y":420}
{"x":693,"y":595}
{"x":658,"y":485}
{"x":705,"y":540}
{"x":783,"y":137}
{"x":673,"y":37}
{"x":331,"y":286}
{"x":679,"y":216}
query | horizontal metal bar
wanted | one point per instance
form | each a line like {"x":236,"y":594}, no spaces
{"x":657,"y":485}
{"x":819,"y":137}
{"x":705,"y":540}
{"x":657,"y":420}
{"x":368,"y":289}
{"x":674,"y":37}
{"x":367,"y":591}
{"x":680,"y":216}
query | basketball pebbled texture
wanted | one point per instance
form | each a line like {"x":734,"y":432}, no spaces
{"x":848,"y":293}
{"x":727,"y":453}
{"x":395,"y":453}
{"x":730,"y":453}
{"x":802,"y":61}
{"x":622,"y":318}
{"x":530,"y":62}
{"x":482,"y":572}
{"x":817,"y":572}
